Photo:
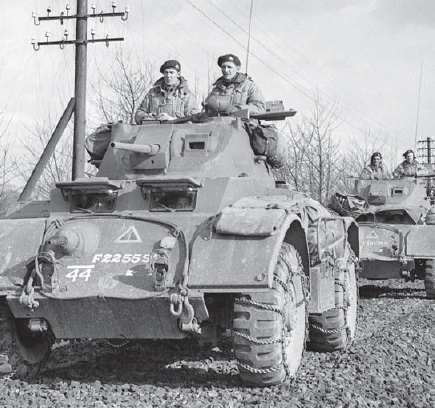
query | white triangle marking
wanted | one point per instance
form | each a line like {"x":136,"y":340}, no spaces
{"x":372,"y":235}
{"x":131,"y":235}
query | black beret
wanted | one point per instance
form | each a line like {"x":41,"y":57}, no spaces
{"x":170,"y":64}
{"x":229,"y":58}
{"x":408,"y":151}
{"x":376,"y":154}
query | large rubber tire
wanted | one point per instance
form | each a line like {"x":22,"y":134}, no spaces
{"x":269,"y":328}
{"x":22,"y":352}
{"x":335,"y":329}
{"x":429,"y":278}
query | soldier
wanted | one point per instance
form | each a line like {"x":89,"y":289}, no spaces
{"x":233,"y":90}
{"x":169,"y":98}
{"x":409,"y":166}
{"x":375,"y":170}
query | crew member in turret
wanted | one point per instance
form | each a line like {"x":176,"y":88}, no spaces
{"x":169,"y":98}
{"x":409,"y":166}
{"x":375,"y":170}
{"x":233,"y":91}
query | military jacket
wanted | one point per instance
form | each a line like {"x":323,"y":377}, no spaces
{"x":242,"y":93}
{"x":179,"y":102}
{"x":374,"y":173}
{"x":406,"y":169}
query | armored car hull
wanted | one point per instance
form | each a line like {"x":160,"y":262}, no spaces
{"x":182,"y":233}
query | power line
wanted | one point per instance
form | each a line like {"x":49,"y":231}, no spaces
{"x":359,"y":117}
{"x":297,"y":87}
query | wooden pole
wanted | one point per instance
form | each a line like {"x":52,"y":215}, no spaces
{"x":78,"y":166}
{"x":47,"y":153}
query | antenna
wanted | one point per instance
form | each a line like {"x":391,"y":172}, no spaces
{"x":418,"y":103}
{"x":249,"y":35}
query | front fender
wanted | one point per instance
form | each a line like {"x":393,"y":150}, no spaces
{"x":19,"y":243}
{"x":240,"y":250}
{"x":419,"y":241}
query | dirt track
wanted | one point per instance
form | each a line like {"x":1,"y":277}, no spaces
{"x":391,"y":364}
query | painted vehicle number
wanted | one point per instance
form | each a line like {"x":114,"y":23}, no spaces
{"x":79,"y":273}
{"x":121,"y":258}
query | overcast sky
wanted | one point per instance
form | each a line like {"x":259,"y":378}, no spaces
{"x":368,"y":57}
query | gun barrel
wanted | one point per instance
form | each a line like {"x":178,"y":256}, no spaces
{"x":151,"y":149}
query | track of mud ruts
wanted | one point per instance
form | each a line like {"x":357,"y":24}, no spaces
{"x":391,"y":364}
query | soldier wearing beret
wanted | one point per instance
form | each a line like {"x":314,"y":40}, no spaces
{"x":409,"y":166}
{"x":169,"y":98}
{"x":233,"y":90}
{"x":375,"y":170}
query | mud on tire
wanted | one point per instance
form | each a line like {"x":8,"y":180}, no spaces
{"x":335,"y":328}
{"x":429,"y":278}
{"x":269,"y":328}
{"x":22,"y":352}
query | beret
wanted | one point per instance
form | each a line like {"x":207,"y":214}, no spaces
{"x":408,"y":151}
{"x":170,"y":64}
{"x":376,"y":154}
{"x":229,"y":58}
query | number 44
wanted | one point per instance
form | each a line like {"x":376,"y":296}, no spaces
{"x":79,"y":274}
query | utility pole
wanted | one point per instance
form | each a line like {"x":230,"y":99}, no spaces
{"x":425,"y":150}
{"x":426,"y":155}
{"x":80,"y":43}
{"x":80,"y":90}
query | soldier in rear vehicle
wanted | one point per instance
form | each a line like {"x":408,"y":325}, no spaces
{"x":409,"y":166}
{"x":375,"y":170}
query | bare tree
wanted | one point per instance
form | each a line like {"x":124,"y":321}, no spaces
{"x":363,"y":147}
{"x":314,"y":153}
{"x":357,"y":155}
{"x":121,"y":89}
{"x":60,"y":164}
{"x":295,"y":170}
{"x":8,"y":191}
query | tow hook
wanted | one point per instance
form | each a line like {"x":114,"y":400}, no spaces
{"x":181,"y":307}
{"x":403,"y":259}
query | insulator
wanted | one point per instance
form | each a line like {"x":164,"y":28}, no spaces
{"x":47,"y":34}
{"x":35,"y":18}
{"x":66,"y":33}
{"x":35,"y":45}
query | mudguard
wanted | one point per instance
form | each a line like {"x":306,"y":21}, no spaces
{"x":19,"y":240}
{"x":419,"y":241}
{"x":239,"y":248}
{"x":249,"y":222}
